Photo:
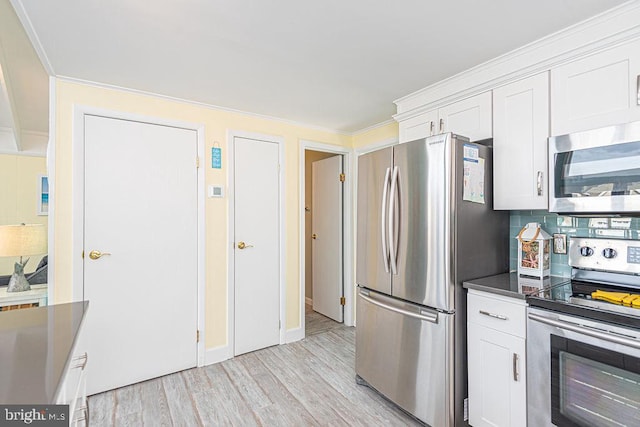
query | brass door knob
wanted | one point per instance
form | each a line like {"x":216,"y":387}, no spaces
{"x":97,"y":254}
{"x":243,"y":245}
{"x":314,"y":236}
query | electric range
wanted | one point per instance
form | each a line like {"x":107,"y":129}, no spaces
{"x":583,"y":339}
{"x":600,"y":267}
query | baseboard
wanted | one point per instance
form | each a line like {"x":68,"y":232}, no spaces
{"x":217,"y":354}
{"x":308,"y":300}
{"x":292,"y":335}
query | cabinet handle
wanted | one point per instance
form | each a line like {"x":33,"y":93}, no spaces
{"x":432,"y":127}
{"x":441,"y":125}
{"x":539,"y":183}
{"x":638,"y":89}
{"x":80,"y":361}
{"x":495,"y":316}
{"x":516,"y":375}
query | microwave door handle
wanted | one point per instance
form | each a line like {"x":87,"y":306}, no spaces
{"x":539,"y":183}
{"x":393,"y":244}
{"x":629,"y":342}
{"x":383,"y":221}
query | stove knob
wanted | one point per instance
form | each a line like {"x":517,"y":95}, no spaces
{"x":586,"y":251}
{"x":609,"y":253}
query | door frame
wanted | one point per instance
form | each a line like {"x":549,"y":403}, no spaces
{"x":347,"y":228}
{"x":78,"y":141}
{"x":231,"y":285}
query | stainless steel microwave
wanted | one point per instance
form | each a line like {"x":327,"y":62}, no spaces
{"x":596,"y":171}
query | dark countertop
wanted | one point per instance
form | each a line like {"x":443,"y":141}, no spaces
{"x":36,"y":346}
{"x":507,"y":284}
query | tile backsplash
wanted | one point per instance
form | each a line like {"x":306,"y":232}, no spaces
{"x":554,"y":223}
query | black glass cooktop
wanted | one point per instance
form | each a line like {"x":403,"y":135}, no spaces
{"x":574,"y":297}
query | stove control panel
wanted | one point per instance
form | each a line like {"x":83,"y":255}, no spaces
{"x":615,"y":255}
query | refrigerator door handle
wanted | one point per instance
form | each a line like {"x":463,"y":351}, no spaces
{"x":393,"y":242}
{"x":383,"y":221}
{"x":423,"y":315}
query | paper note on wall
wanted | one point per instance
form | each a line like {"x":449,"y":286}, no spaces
{"x":473,"y":180}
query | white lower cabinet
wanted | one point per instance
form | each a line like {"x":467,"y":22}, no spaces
{"x":74,"y":391}
{"x":496,"y":345}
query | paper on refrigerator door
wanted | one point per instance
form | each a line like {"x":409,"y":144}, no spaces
{"x":473,"y":180}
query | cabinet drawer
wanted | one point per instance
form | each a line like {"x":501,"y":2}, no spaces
{"x":499,"y":314}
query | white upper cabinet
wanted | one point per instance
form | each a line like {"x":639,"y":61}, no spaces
{"x":596,"y":91}
{"x":470,"y":117}
{"x":417,"y":127}
{"x":520,"y":132}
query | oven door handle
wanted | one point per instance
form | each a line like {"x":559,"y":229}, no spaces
{"x":629,"y":342}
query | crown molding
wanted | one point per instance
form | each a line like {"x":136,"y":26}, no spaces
{"x":199,"y":104}
{"x":33,"y":36}
{"x":372,"y":127}
{"x":614,"y":27}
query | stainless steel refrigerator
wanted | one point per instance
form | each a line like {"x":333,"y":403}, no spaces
{"x":425,"y":224}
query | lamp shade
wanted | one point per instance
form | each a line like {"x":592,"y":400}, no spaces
{"x":21,"y":240}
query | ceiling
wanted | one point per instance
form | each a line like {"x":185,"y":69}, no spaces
{"x":333,"y":63}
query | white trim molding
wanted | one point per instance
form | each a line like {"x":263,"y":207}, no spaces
{"x":79,"y":112}
{"x":33,"y":36}
{"x":51,"y":172}
{"x":200,"y":104}
{"x":217,"y":355}
{"x":614,"y":27}
{"x":373,"y":127}
{"x":293,"y":335}
{"x":231,"y":135}
{"x":347,"y":250}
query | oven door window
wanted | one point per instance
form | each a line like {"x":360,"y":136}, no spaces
{"x":613,"y":170}
{"x":593,"y":386}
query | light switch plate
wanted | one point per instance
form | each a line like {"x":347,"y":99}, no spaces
{"x":216,"y":191}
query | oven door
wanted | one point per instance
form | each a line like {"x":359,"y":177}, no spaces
{"x":596,"y":171}
{"x":581,"y":372}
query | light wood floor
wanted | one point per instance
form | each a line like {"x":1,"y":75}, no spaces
{"x":316,"y":323}
{"x":306,"y":383}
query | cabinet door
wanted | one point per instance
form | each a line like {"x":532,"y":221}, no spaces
{"x":497,"y":378}
{"x":470,"y":117}
{"x":520,"y":132}
{"x":599,"y":90}
{"x":418,"y":127}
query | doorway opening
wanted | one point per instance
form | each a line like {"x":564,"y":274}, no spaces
{"x":326,"y":229}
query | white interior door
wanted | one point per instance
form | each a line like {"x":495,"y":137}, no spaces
{"x":326,"y":244}
{"x":257,"y":247}
{"x":141,"y":213}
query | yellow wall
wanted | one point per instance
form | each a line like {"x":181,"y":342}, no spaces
{"x":376,"y":134}
{"x":19,"y":177}
{"x":216,"y":123}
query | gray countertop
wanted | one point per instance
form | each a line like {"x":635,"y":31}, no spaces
{"x":508,"y":284}
{"x":36,"y":346}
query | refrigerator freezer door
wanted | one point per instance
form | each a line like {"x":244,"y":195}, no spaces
{"x":402,"y":351}
{"x":372,"y":263}
{"x":423,"y":224}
